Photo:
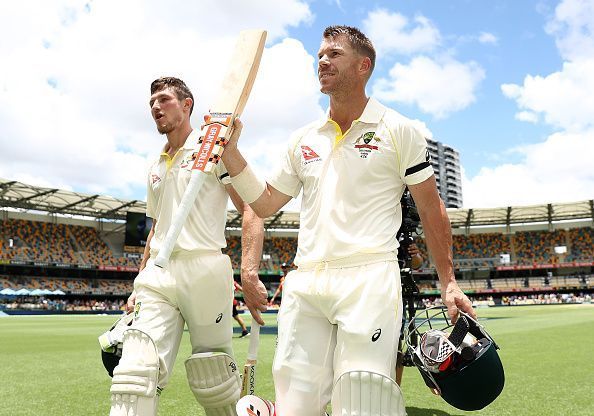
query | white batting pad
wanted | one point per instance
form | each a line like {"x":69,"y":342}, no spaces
{"x":364,"y":393}
{"x":214,"y":379}
{"x":134,"y":390}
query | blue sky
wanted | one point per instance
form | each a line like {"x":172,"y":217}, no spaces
{"x":509,"y":84}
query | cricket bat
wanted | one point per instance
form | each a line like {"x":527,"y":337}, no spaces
{"x":231,"y":99}
{"x":248,"y":384}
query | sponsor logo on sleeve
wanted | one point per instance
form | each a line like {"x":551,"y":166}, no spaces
{"x":309,"y":155}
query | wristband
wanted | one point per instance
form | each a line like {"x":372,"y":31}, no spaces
{"x":248,"y":185}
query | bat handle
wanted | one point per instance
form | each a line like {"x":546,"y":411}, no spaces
{"x":194,"y":185}
{"x":254,"y":341}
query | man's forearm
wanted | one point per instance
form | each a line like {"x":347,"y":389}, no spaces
{"x":233,"y":160}
{"x":252,"y":240}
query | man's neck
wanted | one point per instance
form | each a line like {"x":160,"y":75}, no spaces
{"x":346,"y":109}
{"x":177,"y":138}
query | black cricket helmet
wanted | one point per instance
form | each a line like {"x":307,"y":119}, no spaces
{"x":111,"y":342}
{"x":459,"y":362}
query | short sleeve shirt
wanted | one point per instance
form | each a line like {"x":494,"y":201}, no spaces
{"x":352,"y":182}
{"x":168,"y":178}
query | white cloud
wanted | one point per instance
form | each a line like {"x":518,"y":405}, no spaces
{"x":573,"y":28}
{"x":438,"y":87}
{"x":528,"y":116}
{"x":565,"y":98}
{"x":74,"y":82}
{"x":558,"y":170}
{"x":394,"y":32}
{"x":489,"y":38}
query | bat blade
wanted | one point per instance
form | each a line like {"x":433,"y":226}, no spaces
{"x":248,"y":384}
{"x":230,"y":102}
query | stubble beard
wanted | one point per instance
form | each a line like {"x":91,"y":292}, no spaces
{"x":168,"y":126}
{"x":330,"y":89}
{"x":341,"y":85}
{"x":165,"y":128}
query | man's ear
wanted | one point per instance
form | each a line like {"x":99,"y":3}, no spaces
{"x":365,"y":66}
{"x":188,"y":103}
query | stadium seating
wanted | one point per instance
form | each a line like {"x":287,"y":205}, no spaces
{"x":582,"y":244}
{"x":74,"y":244}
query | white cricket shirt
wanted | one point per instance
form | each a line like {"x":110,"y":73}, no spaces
{"x":352,"y":182}
{"x":167,"y":181}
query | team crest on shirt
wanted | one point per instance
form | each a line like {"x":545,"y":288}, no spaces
{"x":155,"y":179}
{"x":188,"y":160}
{"x":366,"y":144}
{"x":137,"y":306}
{"x":309,"y":155}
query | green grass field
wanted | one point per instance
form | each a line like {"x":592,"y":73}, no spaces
{"x":50,"y":365}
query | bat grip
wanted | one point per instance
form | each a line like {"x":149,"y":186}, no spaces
{"x":254,"y":341}
{"x":196,"y":180}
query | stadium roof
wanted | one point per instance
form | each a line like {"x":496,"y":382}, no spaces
{"x":549,"y":213}
{"x":23,"y":197}
{"x":29,"y":198}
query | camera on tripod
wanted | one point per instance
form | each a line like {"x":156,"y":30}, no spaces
{"x":410,"y":290}
{"x":410,"y":224}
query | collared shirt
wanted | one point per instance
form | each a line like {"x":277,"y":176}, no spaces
{"x":168,"y":178}
{"x":352,"y":182}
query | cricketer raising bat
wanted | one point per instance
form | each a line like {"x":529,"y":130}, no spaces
{"x":218,"y":127}
{"x":248,"y":384}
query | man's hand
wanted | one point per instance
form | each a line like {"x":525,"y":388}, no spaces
{"x":254,"y":295}
{"x":234,"y":138}
{"x":454,"y":299}
{"x":416,"y":260}
{"x":131,"y":302}
{"x":413,"y":250}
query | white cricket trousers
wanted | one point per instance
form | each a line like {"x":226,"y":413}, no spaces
{"x":335,"y":318}
{"x":196,"y":289}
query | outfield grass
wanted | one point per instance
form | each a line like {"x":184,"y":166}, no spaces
{"x":50,"y":365}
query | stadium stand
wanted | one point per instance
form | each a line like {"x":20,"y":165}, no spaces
{"x":44,"y":247}
{"x":580,"y":241}
{"x":61,"y":243}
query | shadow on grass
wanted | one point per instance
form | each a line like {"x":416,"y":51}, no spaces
{"x":415,"y":411}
